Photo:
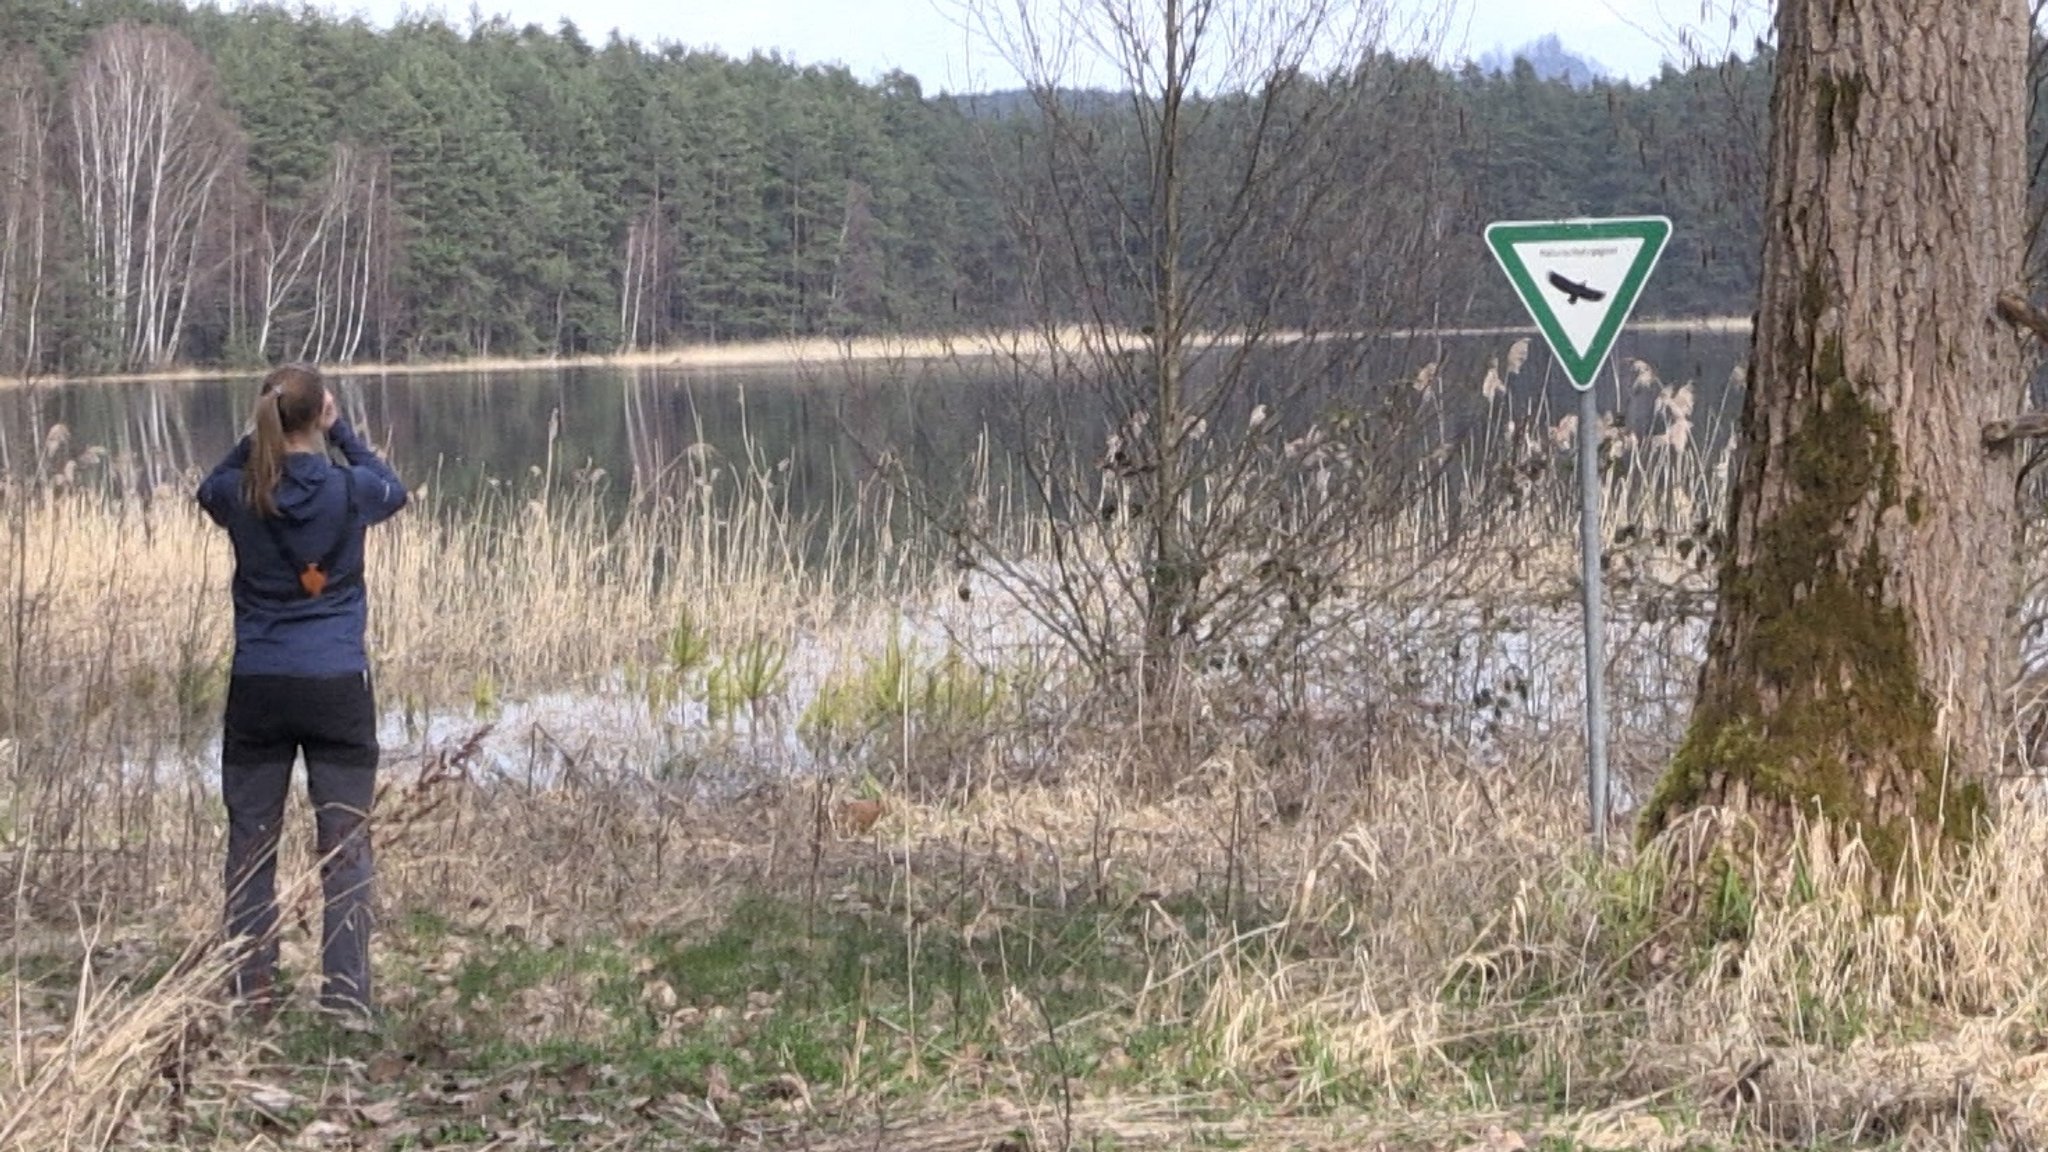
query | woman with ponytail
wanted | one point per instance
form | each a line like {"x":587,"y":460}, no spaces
{"x":300,"y":682}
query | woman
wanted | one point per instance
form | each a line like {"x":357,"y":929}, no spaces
{"x":301,"y":677}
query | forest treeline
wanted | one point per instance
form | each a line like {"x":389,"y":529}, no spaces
{"x":198,"y":185}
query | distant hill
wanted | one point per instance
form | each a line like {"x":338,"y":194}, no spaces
{"x":1551,"y":61}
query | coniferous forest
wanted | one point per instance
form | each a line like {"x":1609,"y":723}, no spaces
{"x":191,"y":185}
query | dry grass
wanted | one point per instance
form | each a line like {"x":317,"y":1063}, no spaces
{"x":1449,"y":946}
{"x":79,"y":1087}
{"x":1438,"y":963}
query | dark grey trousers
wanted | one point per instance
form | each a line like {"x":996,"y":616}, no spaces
{"x":269,"y":721}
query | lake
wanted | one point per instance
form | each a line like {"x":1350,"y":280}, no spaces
{"x":469,"y":435}
{"x":819,"y":429}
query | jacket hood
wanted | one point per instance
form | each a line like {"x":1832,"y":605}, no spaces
{"x":299,"y":489}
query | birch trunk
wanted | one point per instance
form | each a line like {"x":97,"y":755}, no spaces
{"x":150,"y":144}
{"x":24,"y":210}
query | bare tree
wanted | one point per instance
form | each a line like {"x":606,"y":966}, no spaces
{"x":24,"y":209}
{"x":1859,"y":656}
{"x":856,"y":294}
{"x":345,"y":296}
{"x":641,"y":277}
{"x":1218,"y":208}
{"x":313,"y":259}
{"x":151,"y":144}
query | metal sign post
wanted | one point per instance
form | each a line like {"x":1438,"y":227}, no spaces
{"x":1592,"y":592}
{"x":1579,"y":279}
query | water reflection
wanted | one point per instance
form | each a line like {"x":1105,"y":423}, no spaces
{"x":819,"y":432}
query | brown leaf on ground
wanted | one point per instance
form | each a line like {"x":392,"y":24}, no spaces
{"x":855,"y":817}
{"x":787,"y":1088}
{"x":1639,"y":1132}
{"x":268,"y":1098}
{"x":321,"y":1134}
{"x":386,"y":1068}
{"x":380,"y":1114}
{"x":718,"y":1085}
{"x":659,"y":995}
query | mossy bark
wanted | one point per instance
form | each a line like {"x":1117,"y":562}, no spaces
{"x":1856,"y":667}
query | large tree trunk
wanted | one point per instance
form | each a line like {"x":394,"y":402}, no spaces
{"x":1858,"y":660}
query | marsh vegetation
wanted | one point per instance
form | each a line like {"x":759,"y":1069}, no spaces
{"x":715,"y":818}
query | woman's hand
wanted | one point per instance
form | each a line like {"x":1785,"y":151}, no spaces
{"x":329,"y":413}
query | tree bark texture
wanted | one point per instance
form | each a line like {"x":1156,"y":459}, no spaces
{"x":1857,"y":665}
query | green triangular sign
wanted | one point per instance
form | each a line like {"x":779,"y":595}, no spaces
{"x":1579,"y":279}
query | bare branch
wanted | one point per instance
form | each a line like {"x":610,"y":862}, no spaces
{"x":2002,"y":433}
{"x":2015,"y":309}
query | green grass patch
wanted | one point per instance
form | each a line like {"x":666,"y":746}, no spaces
{"x":776,"y":999}
{"x":873,"y":993}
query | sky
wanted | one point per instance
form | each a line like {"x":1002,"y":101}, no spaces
{"x":1629,"y":38}
{"x":930,"y":39}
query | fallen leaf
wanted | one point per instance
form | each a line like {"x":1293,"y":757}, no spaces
{"x":320,"y":1134}
{"x":857,"y":816}
{"x":660,"y":995}
{"x":1624,"y":1134}
{"x":269,"y":1098}
{"x":718,"y":1088}
{"x":787,"y":1087}
{"x":386,"y":1068}
{"x":465,"y":1102}
{"x":382,"y":1114}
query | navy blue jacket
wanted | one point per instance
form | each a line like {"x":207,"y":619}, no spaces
{"x":279,"y":630}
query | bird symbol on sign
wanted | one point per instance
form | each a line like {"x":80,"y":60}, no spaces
{"x":1575,"y":291}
